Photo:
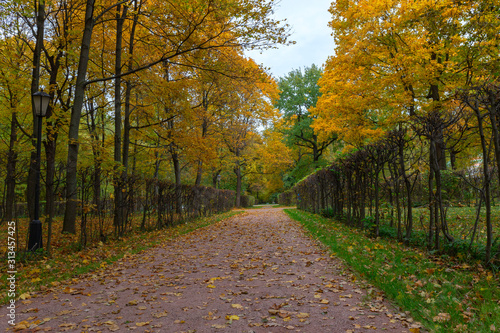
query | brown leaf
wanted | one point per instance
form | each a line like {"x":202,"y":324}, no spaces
{"x":442,"y":317}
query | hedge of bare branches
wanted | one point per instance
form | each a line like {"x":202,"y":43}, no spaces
{"x":380,"y":184}
{"x":287,"y":198}
{"x":147,"y":204}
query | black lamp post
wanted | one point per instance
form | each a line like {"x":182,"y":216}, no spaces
{"x":40,"y":104}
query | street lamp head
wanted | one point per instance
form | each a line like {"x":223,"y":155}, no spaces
{"x":41,"y":102}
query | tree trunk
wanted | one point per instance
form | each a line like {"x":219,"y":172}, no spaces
{"x":204,"y":130}
{"x":487,"y":190}
{"x":494,"y":114}
{"x":10,"y":179}
{"x":177,"y":174}
{"x":69,"y":224}
{"x":35,"y":83}
{"x":119,"y":181}
{"x":199,"y":173}
{"x":237,"y":172}
{"x":128,"y":89}
{"x":409,"y":203}
{"x":377,"y":203}
{"x":50,"y":153}
{"x":50,"y":150}
{"x":431,"y":199}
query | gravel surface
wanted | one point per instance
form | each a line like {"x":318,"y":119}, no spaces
{"x":255,"y":272}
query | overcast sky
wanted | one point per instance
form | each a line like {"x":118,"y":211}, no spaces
{"x":314,"y":43}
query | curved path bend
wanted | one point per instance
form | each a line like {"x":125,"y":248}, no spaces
{"x":255,"y":272}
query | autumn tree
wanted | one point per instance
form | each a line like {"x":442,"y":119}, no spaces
{"x":178,"y":29}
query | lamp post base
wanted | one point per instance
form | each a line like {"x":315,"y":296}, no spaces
{"x":35,"y":238}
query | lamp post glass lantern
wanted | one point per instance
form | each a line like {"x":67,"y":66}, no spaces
{"x":40,"y":104}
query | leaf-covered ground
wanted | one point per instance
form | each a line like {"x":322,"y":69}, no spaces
{"x":68,"y":260}
{"x":254,"y":272}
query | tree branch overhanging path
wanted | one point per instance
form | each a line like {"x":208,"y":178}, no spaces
{"x":255,"y":271}
{"x":198,"y":27}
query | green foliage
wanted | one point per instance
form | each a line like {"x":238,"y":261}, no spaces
{"x":299,"y":93}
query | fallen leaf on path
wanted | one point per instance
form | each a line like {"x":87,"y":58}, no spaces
{"x":69,"y":290}
{"x":219,"y":326}
{"x":64,"y":312}
{"x":25,"y":296}
{"x":68,"y":325}
{"x":232,"y":317}
{"x":160,"y":314}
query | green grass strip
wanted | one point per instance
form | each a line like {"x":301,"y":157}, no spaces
{"x":443,"y":294}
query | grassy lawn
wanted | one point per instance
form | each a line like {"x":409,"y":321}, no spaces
{"x":461,"y":221}
{"x":444,"y":294}
{"x":68,"y":262}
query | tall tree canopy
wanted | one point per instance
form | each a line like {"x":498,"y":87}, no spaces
{"x":299,"y":93}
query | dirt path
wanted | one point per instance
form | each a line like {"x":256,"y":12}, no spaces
{"x":255,"y":272}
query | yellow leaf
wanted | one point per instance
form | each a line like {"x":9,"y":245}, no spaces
{"x":22,"y":325}
{"x":237,"y":306}
{"x":25,"y":296}
{"x":211,"y":286}
{"x":160,"y":314}
{"x":232,"y":317}
{"x":142,"y":324}
{"x":219,"y":326}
